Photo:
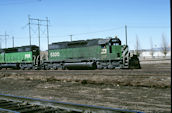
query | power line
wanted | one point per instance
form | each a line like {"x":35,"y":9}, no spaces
{"x":147,"y":27}
{"x":105,"y":30}
{"x":117,"y":28}
{"x":85,"y":33}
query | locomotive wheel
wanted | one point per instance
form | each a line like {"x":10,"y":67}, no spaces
{"x":35,"y":68}
{"x":105,"y":67}
{"x":22,"y":68}
{"x":64,"y":68}
{"x":110,"y":66}
{"x":28,"y":68}
{"x":55,"y":68}
{"x":47,"y":68}
{"x":99,"y":67}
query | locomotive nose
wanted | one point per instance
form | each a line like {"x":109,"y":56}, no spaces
{"x":134,"y":62}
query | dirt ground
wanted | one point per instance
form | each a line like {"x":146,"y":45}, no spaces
{"x":147,"y":89}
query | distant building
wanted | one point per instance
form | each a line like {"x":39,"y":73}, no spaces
{"x":157,"y":53}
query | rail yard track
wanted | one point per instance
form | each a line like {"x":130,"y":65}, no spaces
{"x":16,"y":104}
{"x":146,"y":89}
{"x":158,"y":75}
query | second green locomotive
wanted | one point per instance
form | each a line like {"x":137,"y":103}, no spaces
{"x":25,"y":57}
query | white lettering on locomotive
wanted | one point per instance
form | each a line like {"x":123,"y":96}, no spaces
{"x":103,"y":51}
{"x":27,"y":55}
{"x":55,"y":54}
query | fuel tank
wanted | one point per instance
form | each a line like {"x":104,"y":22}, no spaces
{"x":80,"y":65}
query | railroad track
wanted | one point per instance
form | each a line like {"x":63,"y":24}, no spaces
{"x":18,"y":104}
{"x":137,"y":73}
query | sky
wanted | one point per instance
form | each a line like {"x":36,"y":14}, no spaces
{"x":86,"y":19}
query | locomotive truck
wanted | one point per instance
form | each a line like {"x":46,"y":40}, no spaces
{"x":82,"y":54}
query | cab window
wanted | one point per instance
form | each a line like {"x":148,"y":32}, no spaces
{"x":103,"y":46}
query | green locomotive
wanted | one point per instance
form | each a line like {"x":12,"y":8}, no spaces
{"x":82,"y":54}
{"x":90,"y":54}
{"x":20,"y":57}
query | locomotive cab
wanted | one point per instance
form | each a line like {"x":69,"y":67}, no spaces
{"x":115,"y":41}
{"x":115,"y":47}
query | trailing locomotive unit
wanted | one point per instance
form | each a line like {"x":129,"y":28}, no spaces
{"x":25,"y":57}
{"x":90,"y":54}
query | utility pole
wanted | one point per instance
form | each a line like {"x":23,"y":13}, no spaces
{"x":13,"y":41}
{"x":5,"y":40}
{"x":126,"y":33}
{"x":39,"y":33}
{"x":70,"y":37}
{"x":0,"y":43}
{"x":29,"y":30}
{"x":5,"y":36}
{"x":47,"y":32}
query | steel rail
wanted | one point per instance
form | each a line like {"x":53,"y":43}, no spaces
{"x":66,"y":105}
{"x":7,"y":111}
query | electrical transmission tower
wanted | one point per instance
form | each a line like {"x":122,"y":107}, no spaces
{"x":38,"y":24}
